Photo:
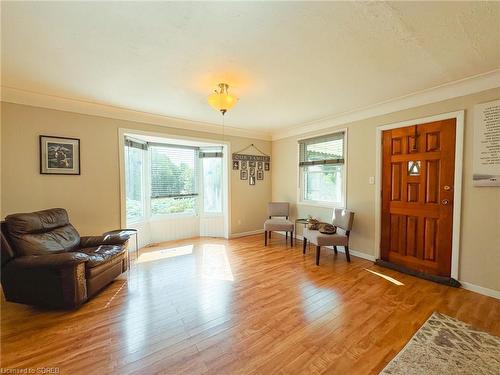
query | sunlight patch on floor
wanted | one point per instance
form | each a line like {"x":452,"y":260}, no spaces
{"x":388,"y":278}
{"x":165,"y":253}
{"x":216,"y":263}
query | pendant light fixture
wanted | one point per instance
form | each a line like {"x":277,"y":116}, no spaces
{"x":221,"y":100}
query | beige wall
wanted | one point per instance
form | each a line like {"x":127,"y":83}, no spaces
{"x":479,"y":262}
{"x":93,"y":199}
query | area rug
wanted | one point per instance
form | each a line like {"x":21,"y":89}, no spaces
{"x":444,"y":345}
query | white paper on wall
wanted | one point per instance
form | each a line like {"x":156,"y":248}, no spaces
{"x":487,"y":144}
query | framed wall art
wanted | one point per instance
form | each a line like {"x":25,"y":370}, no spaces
{"x":243,"y":174}
{"x":260,"y":174}
{"x":236,"y":165}
{"x":251,"y":181}
{"x":59,"y":155}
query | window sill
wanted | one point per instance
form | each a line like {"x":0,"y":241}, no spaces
{"x":321,"y":204}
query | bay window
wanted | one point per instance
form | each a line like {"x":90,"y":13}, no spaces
{"x":164,"y":179}
{"x":322,"y":170}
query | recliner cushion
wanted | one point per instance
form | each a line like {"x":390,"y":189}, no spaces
{"x":42,"y":232}
{"x":104,"y":254}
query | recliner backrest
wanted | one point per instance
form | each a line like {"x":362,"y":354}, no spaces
{"x":6,"y":250}
{"x":42,"y":232}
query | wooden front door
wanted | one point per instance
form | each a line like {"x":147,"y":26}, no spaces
{"x":418,"y":166}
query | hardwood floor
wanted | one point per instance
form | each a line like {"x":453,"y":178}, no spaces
{"x":237,"y":307}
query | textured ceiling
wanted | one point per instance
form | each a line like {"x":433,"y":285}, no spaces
{"x":289,"y":63}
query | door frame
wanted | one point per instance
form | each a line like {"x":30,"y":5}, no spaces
{"x":457,"y":195}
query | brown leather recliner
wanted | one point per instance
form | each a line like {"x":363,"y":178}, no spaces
{"x":45,"y":262}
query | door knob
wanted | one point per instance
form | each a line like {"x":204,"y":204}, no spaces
{"x":445,"y":201}
{"x":446,"y":187}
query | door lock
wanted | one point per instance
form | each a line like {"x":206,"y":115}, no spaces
{"x":445,"y":201}
{"x":446,"y":187}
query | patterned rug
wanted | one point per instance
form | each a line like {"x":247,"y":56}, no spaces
{"x":444,"y":345}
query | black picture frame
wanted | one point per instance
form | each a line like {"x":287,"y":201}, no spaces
{"x":65,"y":152}
{"x":243,"y":164}
{"x":243,"y":174}
{"x":260,"y":165}
{"x":251,"y":180}
{"x":252,"y":171}
{"x":267,"y":166}
{"x":251,"y":164}
{"x":260,"y":174}
{"x":236,"y":165}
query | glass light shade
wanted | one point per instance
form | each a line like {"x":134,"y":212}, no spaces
{"x":221,"y":100}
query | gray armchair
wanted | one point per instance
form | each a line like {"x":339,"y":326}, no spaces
{"x":278,"y":220}
{"x":342,"y":219}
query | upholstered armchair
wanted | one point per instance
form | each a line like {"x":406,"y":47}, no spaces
{"x":342,"y":220}
{"x":278,"y":220}
{"x":45,"y":262}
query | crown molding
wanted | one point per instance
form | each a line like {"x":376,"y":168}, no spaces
{"x":18,"y":96}
{"x":466,"y":86}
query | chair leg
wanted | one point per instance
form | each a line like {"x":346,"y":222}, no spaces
{"x":304,"y":244}
{"x":291,"y":238}
{"x":318,"y":250}
{"x":265,"y":238}
{"x":335,"y":249}
{"x":347,"y":253}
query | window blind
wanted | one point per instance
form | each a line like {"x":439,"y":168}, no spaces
{"x":173,"y":171}
{"x":328,"y":149}
{"x":210,"y":152}
{"x":130,"y":142}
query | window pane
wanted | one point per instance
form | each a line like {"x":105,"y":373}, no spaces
{"x":173,"y":171}
{"x":212,"y":185}
{"x":165,"y":206}
{"x":133,"y":184}
{"x":323,"y":183}
{"x":326,"y":150}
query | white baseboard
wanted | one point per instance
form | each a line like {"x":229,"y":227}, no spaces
{"x":244,"y":234}
{"x":480,"y":289}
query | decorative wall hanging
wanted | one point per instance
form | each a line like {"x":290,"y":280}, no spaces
{"x":236,"y":165}
{"x":257,"y":164}
{"x":486,"y":149}
{"x":59,"y":155}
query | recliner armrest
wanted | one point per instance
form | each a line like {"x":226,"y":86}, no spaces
{"x":94,"y":241}
{"x":50,"y":261}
